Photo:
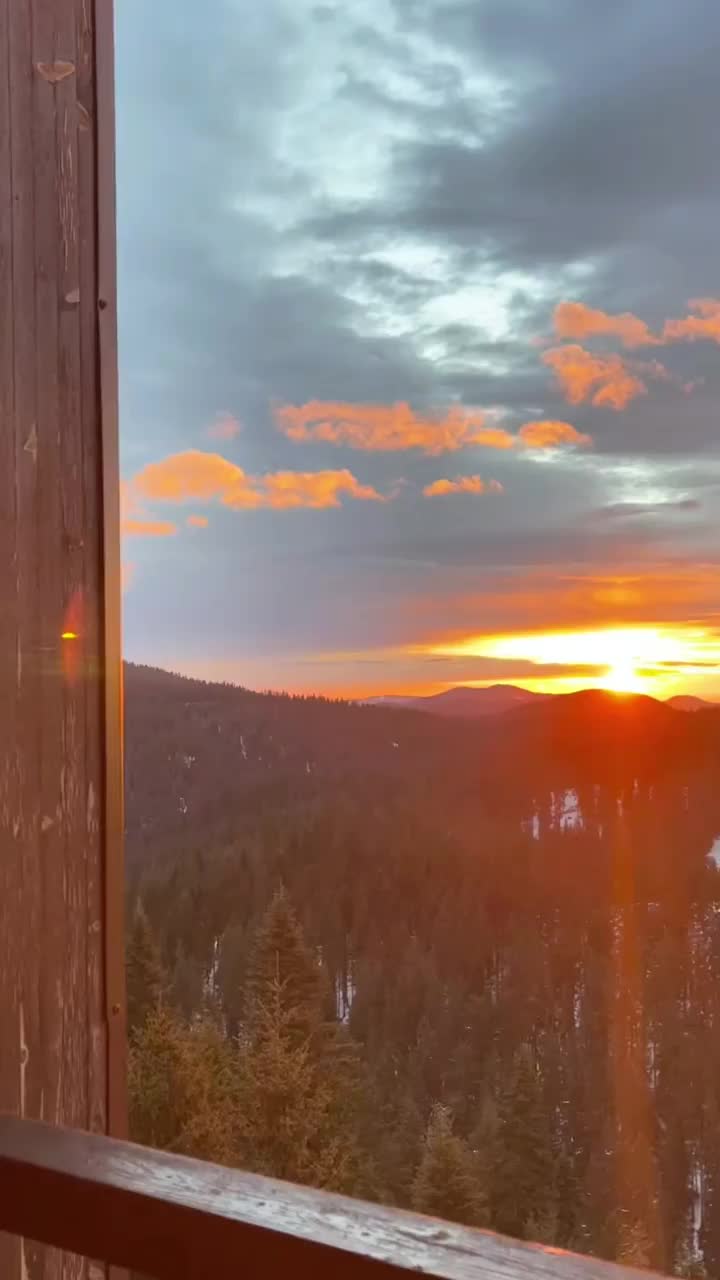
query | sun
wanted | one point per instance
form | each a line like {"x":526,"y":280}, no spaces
{"x":623,"y":677}
{"x":644,"y":658}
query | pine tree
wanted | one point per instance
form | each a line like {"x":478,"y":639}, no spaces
{"x":145,"y":976}
{"x":448,"y":1182}
{"x":522,"y":1165}
{"x":280,"y":961}
{"x":183,"y":1087}
{"x":291,"y":1123}
{"x":397,"y":1138}
{"x":300,"y":1084}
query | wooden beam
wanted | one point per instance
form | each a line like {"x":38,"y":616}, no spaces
{"x":171,"y":1217}
{"x":59,"y":606}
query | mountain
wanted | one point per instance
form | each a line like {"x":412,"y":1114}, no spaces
{"x":687,"y":702}
{"x":470,"y":703}
{"x":204,"y":761}
{"x":465,"y":700}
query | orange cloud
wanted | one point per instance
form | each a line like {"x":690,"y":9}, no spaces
{"x":225,"y":427}
{"x":462,"y":484}
{"x":134,"y":523}
{"x":287,"y":489}
{"x":640,"y":592}
{"x":703,"y":325}
{"x":603,"y":380}
{"x":194,"y":475}
{"x":148,"y":528}
{"x":575,"y":320}
{"x":548,"y":435}
{"x":388,"y":428}
{"x":197,"y":522}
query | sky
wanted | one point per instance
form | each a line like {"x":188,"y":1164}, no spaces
{"x":419,"y":317}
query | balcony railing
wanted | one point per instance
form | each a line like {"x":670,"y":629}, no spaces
{"x":180,"y":1219}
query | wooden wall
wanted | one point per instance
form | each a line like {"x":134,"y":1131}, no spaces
{"x":61,"y":998}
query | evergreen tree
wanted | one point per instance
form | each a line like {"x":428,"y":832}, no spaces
{"x":289,"y":1121}
{"x":182,"y":1087}
{"x":145,"y":975}
{"x":300,"y":1085}
{"x":397,"y":1138}
{"x":522,"y":1166}
{"x":281,"y":963}
{"x":448,"y":1182}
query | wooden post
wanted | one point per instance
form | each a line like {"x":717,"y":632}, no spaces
{"x":61,"y":969}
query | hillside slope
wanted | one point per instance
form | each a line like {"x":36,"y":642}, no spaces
{"x":207,"y":758}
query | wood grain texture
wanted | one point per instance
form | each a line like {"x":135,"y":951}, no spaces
{"x":181,"y":1219}
{"x":55,"y":448}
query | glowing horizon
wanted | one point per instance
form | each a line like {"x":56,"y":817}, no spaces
{"x":660,"y":660}
{"x":639,"y":659}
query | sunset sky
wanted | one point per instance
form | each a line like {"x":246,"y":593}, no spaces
{"x":420,"y":342}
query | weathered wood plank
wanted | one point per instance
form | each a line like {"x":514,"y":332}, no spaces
{"x":172,"y":1217}
{"x":21,"y":1014}
{"x":9,"y":639}
{"x":55,"y":448}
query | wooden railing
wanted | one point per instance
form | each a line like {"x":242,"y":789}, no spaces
{"x":180,"y":1219}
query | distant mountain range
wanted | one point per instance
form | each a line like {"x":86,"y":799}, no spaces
{"x":465,"y":700}
{"x":686,"y":702}
{"x":204,"y":762}
{"x":470,"y":703}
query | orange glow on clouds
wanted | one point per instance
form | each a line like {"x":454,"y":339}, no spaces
{"x":602,"y":380}
{"x":703,"y":324}
{"x":463,"y":484}
{"x":548,"y":435}
{"x":195,"y":475}
{"x":575,"y":320}
{"x":197,"y":522}
{"x":392,"y":428}
{"x":148,"y":528}
{"x":388,"y":428}
{"x":636,"y":659}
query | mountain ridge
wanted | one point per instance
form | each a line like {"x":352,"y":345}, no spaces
{"x":478,"y":701}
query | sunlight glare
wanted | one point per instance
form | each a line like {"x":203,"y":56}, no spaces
{"x":640,"y":659}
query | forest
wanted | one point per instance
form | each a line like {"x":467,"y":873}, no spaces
{"x":470,"y":968}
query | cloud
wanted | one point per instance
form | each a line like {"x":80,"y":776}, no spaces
{"x":194,"y":475}
{"x":550,"y":434}
{"x":388,"y":428}
{"x":225,"y":427}
{"x":575,"y":320}
{"x":197,"y":522}
{"x":288,"y":489}
{"x":619,"y":510}
{"x":704,"y":324}
{"x":602,"y":380}
{"x":148,"y":528}
{"x":134,"y":521}
{"x":462,"y":484}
